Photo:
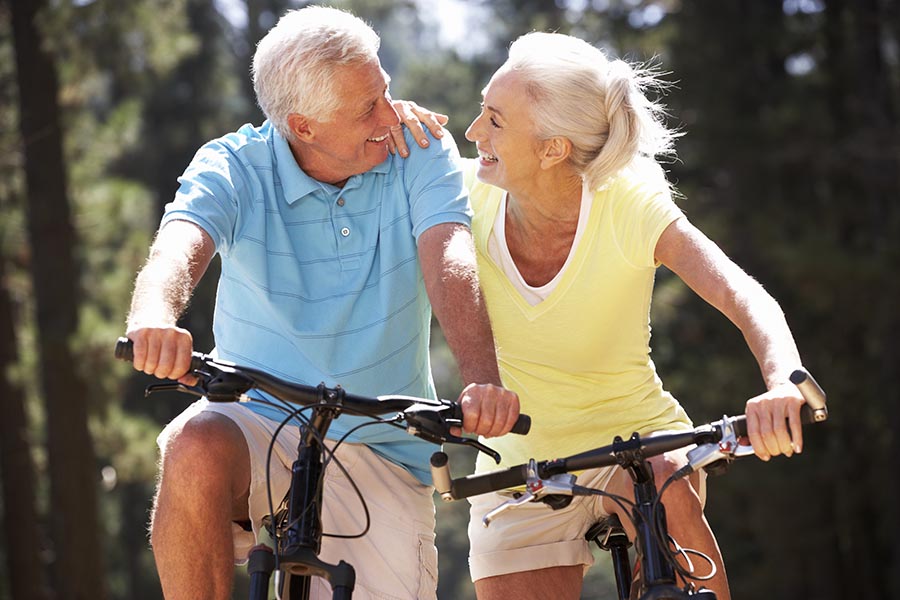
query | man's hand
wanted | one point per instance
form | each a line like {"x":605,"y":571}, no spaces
{"x":416,"y":119}
{"x":164,"y":352}
{"x":488,"y":410}
{"x":773,"y":422}
{"x":178,"y":258}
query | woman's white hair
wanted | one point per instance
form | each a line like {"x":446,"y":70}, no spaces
{"x":294,"y":64}
{"x":599,"y":105}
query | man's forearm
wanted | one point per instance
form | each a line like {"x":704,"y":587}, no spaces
{"x":466,"y":326}
{"x":451,"y":278}
{"x":162,"y":292}
{"x":178,"y":258}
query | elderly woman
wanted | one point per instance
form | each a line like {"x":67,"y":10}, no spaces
{"x":572,"y":217}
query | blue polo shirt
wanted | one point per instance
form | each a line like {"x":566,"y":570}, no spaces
{"x":320,"y":283}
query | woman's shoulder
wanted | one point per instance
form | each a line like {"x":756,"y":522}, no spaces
{"x":642,"y":178}
{"x":636,"y":190}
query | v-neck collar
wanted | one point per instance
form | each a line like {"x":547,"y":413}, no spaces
{"x":574,"y":261}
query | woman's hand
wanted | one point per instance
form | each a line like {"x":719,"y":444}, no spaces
{"x":773,"y":422}
{"x":416,"y":120}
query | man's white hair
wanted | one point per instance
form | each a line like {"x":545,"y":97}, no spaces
{"x":295,"y":63}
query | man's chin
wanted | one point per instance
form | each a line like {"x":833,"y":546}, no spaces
{"x":378,"y":153}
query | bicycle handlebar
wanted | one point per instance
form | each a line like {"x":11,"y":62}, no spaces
{"x":813,"y":411}
{"x":223,"y":381}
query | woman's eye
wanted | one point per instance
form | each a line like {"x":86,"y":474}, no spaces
{"x":494,"y":123}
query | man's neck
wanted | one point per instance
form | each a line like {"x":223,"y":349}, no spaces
{"x":308,"y":163}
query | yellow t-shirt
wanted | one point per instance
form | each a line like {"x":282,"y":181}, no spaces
{"x":580,"y":359}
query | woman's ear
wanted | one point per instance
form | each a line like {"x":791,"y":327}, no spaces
{"x":300,"y":127}
{"x":555,"y":151}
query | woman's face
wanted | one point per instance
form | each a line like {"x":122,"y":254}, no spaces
{"x":508,"y":149}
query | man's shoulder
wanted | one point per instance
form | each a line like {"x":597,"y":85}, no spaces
{"x":251,"y":142}
{"x":439,"y":152}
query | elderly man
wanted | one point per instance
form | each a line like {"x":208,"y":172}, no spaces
{"x":334,"y":252}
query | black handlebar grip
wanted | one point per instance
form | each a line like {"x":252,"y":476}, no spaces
{"x":522,"y":426}
{"x":125,"y":349}
{"x":807,"y":416}
{"x":475,"y":485}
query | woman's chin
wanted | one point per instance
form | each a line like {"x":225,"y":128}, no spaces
{"x":486,"y":171}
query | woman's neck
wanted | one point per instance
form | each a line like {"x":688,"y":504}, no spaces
{"x":541,"y":224}
{"x":549,"y":204}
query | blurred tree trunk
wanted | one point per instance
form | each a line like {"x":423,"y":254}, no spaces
{"x":20,"y":526}
{"x":73,"y":483}
{"x":261,"y":16}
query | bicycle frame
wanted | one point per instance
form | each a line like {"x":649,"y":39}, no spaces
{"x":716,"y":443}
{"x":657,"y":575}
{"x":298,"y":553}
{"x":295,"y":553}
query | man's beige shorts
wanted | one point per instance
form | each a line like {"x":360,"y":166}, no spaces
{"x":396,"y":559}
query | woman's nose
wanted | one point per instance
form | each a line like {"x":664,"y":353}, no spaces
{"x":472,"y":131}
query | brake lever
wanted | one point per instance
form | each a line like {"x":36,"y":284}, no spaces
{"x":174,"y":386}
{"x":510,"y":504}
{"x":727,"y":448}
{"x":536,"y":489}
{"x":429,"y":423}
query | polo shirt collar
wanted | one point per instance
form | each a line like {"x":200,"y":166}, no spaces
{"x":294,"y":181}
{"x":297,"y":184}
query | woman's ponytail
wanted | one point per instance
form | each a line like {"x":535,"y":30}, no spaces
{"x":599,"y":105}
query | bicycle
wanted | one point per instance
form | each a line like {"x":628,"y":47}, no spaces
{"x":294,"y":533}
{"x":552,"y":482}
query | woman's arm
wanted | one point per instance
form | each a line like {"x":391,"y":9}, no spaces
{"x":703,"y":266}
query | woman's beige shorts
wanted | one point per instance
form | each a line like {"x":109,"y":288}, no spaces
{"x":533,"y":536}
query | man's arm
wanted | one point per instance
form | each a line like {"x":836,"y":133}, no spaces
{"x":447,"y":255}
{"x":178,"y":259}
{"x":718,"y":280}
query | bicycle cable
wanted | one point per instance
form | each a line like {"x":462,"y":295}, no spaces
{"x":279,"y":525}
{"x":330,"y":456}
{"x":658,"y":526}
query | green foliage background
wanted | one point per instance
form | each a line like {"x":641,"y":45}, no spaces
{"x":789,"y":161}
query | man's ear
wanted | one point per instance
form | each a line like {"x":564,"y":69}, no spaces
{"x":300,"y":127}
{"x":554,"y":151}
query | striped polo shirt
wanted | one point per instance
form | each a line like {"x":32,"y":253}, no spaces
{"x":320,"y":283}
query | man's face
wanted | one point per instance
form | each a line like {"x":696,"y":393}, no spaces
{"x":355,"y":138}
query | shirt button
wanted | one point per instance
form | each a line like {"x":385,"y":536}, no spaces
{"x":340,"y":202}
{"x":345,"y":231}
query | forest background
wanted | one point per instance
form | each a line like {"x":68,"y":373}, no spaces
{"x":789,"y":161}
